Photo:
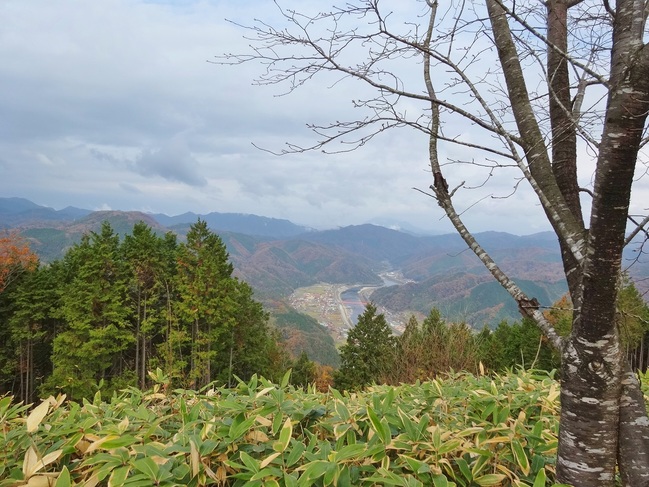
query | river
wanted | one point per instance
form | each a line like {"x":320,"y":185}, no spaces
{"x":354,"y":301}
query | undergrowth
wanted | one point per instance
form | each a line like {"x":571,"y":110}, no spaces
{"x":462,"y":430}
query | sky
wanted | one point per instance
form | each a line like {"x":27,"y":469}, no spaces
{"x":113,"y":104}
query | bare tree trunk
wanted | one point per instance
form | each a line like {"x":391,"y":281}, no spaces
{"x":592,"y":367}
{"x":143,"y":370}
{"x":564,"y":137}
{"x":137,"y":336}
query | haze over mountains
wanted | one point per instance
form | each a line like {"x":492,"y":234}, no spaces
{"x":277,"y":256}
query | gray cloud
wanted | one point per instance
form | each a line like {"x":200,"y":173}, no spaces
{"x":112,"y":104}
{"x":173,"y":161}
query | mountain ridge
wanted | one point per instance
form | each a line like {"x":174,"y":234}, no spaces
{"x":276,"y":256}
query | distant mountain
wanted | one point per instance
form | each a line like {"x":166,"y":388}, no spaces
{"x":235,"y":222}
{"x":15,"y":212}
{"x":51,"y":240}
{"x":371,"y":241}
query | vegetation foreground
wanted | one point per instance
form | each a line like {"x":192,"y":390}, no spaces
{"x":461,"y":430}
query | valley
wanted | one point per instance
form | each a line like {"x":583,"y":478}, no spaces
{"x":336,"y":307}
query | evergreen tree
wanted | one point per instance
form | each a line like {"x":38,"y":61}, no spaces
{"x":33,"y":327}
{"x":304,"y":371}
{"x":206,"y":304}
{"x":145,"y":256}
{"x":518,"y":344}
{"x":368,"y":354}
{"x":94,"y":306}
{"x":424,"y":351}
{"x":169,"y":351}
{"x":245,"y":348}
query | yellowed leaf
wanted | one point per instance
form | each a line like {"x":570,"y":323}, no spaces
{"x":29,"y":463}
{"x":33,"y":463}
{"x":157,"y":459}
{"x":221,"y":475}
{"x":263,"y":392}
{"x":257,"y":436}
{"x":268,"y":459}
{"x":82,"y":445}
{"x":37,"y":415}
{"x":49,"y":458}
{"x":123,"y":425}
{"x":99,"y":442}
{"x":158,"y":395}
{"x":92,"y":481}
{"x":210,"y":473}
{"x":195,"y":458}
{"x":41,"y":481}
{"x":264,"y":421}
{"x":496,"y":439}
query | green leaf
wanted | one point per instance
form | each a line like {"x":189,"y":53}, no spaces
{"x":380,"y":426}
{"x":490,"y":479}
{"x":118,"y":476}
{"x":441,"y":481}
{"x":409,"y":425}
{"x":415,"y":465}
{"x":464,"y":468}
{"x":481,"y":462}
{"x":295,"y":453}
{"x":4,"y":404}
{"x":249,"y":462}
{"x":290,"y":480}
{"x":449,"y":446}
{"x":148,"y":467}
{"x":240,"y":425}
{"x":540,"y":479}
{"x":385,"y":477}
{"x":312,"y":471}
{"x":126,"y":440}
{"x":349,"y":451}
{"x":284,"y":436}
{"x":63,"y":479}
{"x":285,"y":379}
{"x":341,"y":410}
{"x":521,"y":458}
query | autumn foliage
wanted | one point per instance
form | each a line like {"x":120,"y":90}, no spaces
{"x":15,"y":258}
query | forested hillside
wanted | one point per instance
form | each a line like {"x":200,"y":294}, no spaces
{"x":113,"y":309}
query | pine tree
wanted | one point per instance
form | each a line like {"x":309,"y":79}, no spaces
{"x":368,"y":354}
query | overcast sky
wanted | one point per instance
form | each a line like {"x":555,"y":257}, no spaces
{"x":112,"y":104}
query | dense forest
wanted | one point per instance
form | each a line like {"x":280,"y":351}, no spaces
{"x":112,"y":309}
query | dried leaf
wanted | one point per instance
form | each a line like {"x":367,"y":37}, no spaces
{"x":37,"y":415}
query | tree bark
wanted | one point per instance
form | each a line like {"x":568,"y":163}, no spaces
{"x":564,"y":136}
{"x":592,"y":367}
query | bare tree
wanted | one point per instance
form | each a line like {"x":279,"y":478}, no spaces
{"x":544,"y":86}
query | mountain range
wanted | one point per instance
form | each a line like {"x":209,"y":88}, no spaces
{"x":277,"y":256}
